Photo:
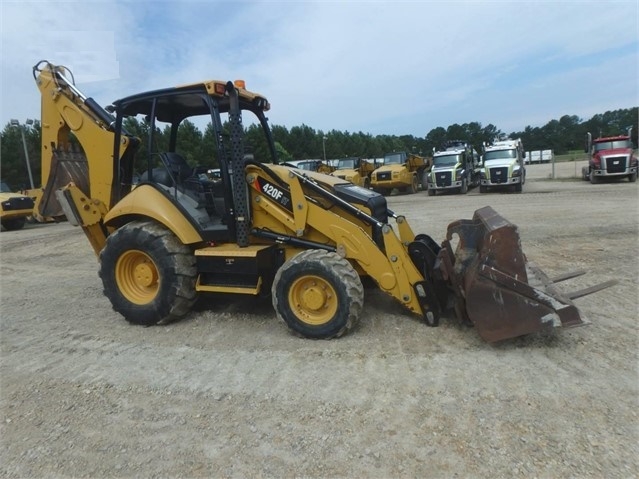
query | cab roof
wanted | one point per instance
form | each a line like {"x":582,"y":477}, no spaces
{"x":177,"y":103}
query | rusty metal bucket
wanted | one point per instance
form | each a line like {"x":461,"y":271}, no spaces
{"x":68,"y":165}
{"x":495,"y":287}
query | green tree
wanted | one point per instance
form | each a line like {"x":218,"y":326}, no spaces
{"x":436,"y":138}
{"x":13,"y":163}
{"x":189,"y":145}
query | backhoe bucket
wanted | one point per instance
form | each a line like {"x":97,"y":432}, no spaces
{"x":68,"y":165}
{"x":495,"y":288}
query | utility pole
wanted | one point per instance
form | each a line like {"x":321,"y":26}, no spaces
{"x":324,"y":147}
{"x":24,"y":145}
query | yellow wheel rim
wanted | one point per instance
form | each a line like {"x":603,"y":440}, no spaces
{"x":137,"y":277}
{"x":313,"y":300}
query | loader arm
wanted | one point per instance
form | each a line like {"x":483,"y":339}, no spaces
{"x":346,"y":229}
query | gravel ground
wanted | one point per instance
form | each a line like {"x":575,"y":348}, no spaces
{"x":229,"y":392}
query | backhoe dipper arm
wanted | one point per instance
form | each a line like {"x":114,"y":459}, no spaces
{"x":82,"y":185}
{"x":66,"y":110}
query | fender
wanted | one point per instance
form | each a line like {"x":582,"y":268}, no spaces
{"x":146,"y":201}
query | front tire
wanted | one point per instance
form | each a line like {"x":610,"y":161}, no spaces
{"x":593,"y":179}
{"x":14,"y":224}
{"x":148,"y":274}
{"x":318,"y":294}
{"x":632,"y":178}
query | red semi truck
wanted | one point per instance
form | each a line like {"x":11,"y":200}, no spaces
{"x":610,"y":157}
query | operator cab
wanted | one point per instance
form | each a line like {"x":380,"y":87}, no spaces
{"x":166,"y":161}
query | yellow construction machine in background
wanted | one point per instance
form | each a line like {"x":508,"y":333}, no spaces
{"x":356,"y":170}
{"x":401,"y":170}
{"x":15,"y":208}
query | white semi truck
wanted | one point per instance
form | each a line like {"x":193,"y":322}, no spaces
{"x":455,"y":168}
{"x":503,"y":166}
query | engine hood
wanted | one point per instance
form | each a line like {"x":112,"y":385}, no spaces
{"x":445,"y":167}
{"x":347,"y":172}
{"x":614,"y":152}
{"x":395,"y":167}
{"x":499,"y":162}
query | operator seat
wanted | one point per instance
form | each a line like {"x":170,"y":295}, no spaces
{"x":176,"y":173}
{"x":174,"y":169}
{"x":177,"y":165}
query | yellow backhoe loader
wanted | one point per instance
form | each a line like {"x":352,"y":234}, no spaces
{"x":306,"y":238}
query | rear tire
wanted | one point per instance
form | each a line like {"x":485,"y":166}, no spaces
{"x":414,"y":185}
{"x":14,"y":224}
{"x":424,"y":180}
{"x":464,"y":187}
{"x":148,"y":274}
{"x":318,"y":294}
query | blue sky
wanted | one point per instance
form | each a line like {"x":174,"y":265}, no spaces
{"x":381,"y":67}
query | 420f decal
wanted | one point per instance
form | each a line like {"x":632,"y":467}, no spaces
{"x":274,"y":192}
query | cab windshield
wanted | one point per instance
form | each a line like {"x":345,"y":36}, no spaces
{"x":446,"y":160}
{"x":308,"y":166}
{"x":611,"y":145}
{"x":500,"y":155}
{"x":347,"y":164}
{"x":394,"y":159}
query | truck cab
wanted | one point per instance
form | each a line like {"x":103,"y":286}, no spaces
{"x":455,"y":168}
{"x":402,"y":171}
{"x":354,"y":169}
{"x":610,"y":157}
{"x":503,"y":166}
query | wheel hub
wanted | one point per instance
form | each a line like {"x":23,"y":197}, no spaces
{"x":145,"y":275}
{"x":314,"y":297}
{"x":313,"y":300}
{"x":137,"y":277}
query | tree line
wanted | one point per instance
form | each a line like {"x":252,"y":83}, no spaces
{"x":302,"y":142}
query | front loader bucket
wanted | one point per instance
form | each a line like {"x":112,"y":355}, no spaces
{"x":495,"y":288}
